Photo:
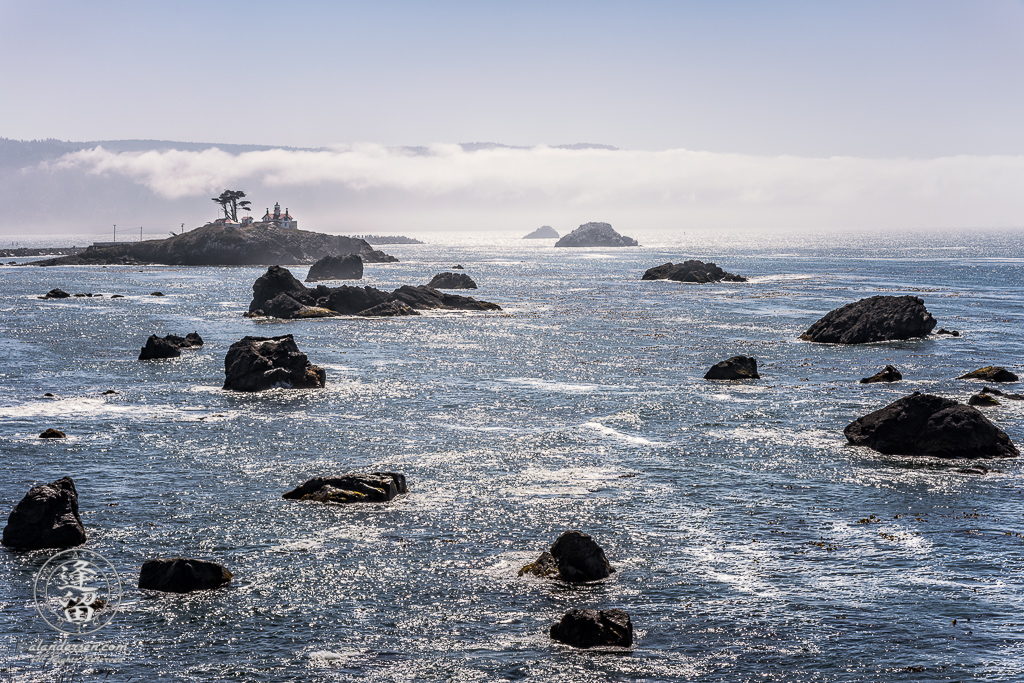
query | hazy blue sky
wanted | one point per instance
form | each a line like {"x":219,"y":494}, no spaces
{"x":872,"y":79}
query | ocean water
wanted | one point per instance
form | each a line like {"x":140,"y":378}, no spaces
{"x":733,"y":512}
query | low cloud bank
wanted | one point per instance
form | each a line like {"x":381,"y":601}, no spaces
{"x":836,"y":191}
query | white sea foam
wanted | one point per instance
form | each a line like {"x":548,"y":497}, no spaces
{"x":555,"y":387}
{"x":614,"y":433}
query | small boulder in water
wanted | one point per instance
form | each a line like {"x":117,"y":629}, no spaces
{"x":47,"y":517}
{"x":887,"y":374}
{"x":875,"y":319}
{"x":452,"y":281}
{"x":575,"y":557}
{"x":737,"y":367}
{"x":182,"y":575}
{"x":377,"y":487}
{"x":991,"y":373}
{"x":169,"y":346}
{"x":347,"y":267}
{"x":55,"y":293}
{"x":951,"y":333}
{"x":1003,"y":394}
{"x":584,"y":628}
{"x":260,"y":363}
{"x":982,"y":400}
{"x":156,"y":294}
{"x":52,"y":433}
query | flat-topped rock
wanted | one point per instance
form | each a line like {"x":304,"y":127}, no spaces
{"x":691,"y":271}
{"x":875,"y":319}
{"x":260,"y":363}
{"x":585,"y":628}
{"x":47,"y":517}
{"x":375,"y":487}
{"x":452,"y":281}
{"x":55,"y":293}
{"x":347,"y":267}
{"x":923,"y":424}
{"x":991,"y":373}
{"x":737,"y":367}
{"x":182,"y":575}
{"x":887,"y":374}
{"x":544,"y":232}
{"x":595,"y":235}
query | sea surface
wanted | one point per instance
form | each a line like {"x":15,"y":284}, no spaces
{"x":751,"y":542}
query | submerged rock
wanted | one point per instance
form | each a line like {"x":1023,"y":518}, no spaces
{"x":1003,"y":394}
{"x":574,"y":557}
{"x":55,"y":293}
{"x":182,"y":575}
{"x":169,"y":346}
{"x":544,"y":232}
{"x":951,"y":333}
{"x":923,"y":424}
{"x":737,"y":367}
{"x":887,"y":374}
{"x":584,"y":628}
{"x":452,"y":281}
{"x":595,"y":235}
{"x":377,"y":487}
{"x":348,"y":267}
{"x":691,"y":271}
{"x":875,"y":319}
{"x":991,"y":373}
{"x":259,"y":363}
{"x":47,"y":517}
{"x":52,"y":433}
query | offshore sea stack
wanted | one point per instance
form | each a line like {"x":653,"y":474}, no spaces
{"x":595,"y":235}
{"x":737,"y":367}
{"x":182,"y":575}
{"x":584,"y":628}
{"x":169,"y":346}
{"x":691,"y":271}
{"x":544,"y":232}
{"x":279,"y":294}
{"x":376,"y":487}
{"x":260,"y":363}
{"x":452,"y":281}
{"x":923,"y":424}
{"x":347,"y":267}
{"x":47,"y":517}
{"x":574,"y":557}
{"x":875,"y":319}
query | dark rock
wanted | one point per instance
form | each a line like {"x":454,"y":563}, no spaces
{"x":457,"y":266}
{"x":259,"y":363}
{"x":388,"y":309}
{"x":982,"y":400}
{"x":691,"y":271}
{"x":47,"y":517}
{"x":182,"y":575}
{"x":452,"y":281}
{"x":108,"y":392}
{"x":347,"y":267}
{"x":585,"y":628}
{"x":951,"y":333}
{"x":425,"y":297}
{"x":737,"y":367}
{"x":877,"y":318}
{"x":117,"y":296}
{"x":55,"y":293}
{"x":991,"y":374}
{"x":347,"y":300}
{"x":1011,"y":397}
{"x":544,"y":232}
{"x":48,"y":395}
{"x":378,"y":487}
{"x":595,"y":235}
{"x":887,"y":374}
{"x":157,"y":294}
{"x":157,"y":347}
{"x":922,"y":424}
{"x":574,"y":557}
{"x":52,"y":433}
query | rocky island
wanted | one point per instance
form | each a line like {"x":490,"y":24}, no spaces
{"x":596,"y":235}
{"x":691,"y":271}
{"x":875,"y":319}
{"x":544,"y":232}
{"x":227,"y":245}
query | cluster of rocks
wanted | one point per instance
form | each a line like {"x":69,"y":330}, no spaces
{"x":596,"y":235}
{"x":58,"y":293}
{"x":377,"y":487}
{"x":691,"y":271}
{"x":169,"y":346}
{"x":277,"y":293}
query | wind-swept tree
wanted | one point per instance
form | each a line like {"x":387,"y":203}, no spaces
{"x":231,"y":201}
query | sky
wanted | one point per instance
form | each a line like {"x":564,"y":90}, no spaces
{"x":805,"y":109}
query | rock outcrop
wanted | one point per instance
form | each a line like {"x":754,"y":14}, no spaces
{"x":991,"y":373}
{"x":348,"y":267}
{"x":584,"y":628}
{"x":544,"y":232}
{"x":595,"y":235}
{"x":52,"y":433}
{"x":55,"y":293}
{"x":951,"y":333}
{"x":691,"y":271}
{"x":922,"y":424}
{"x":1003,"y":394}
{"x":47,"y":517}
{"x":377,"y":487}
{"x":260,"y":363}
{"x":452,"y":281}
{"x":982,"y":400}
{"x":737,"y":367}
{"x":875,"y":319}
{"x":220,"y":245}
{"x":182,"y":575}
{"x":574,"y":557}
{"x":169,"y":346}
{"x":279,"y":294}
{"x":887,"y":374}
